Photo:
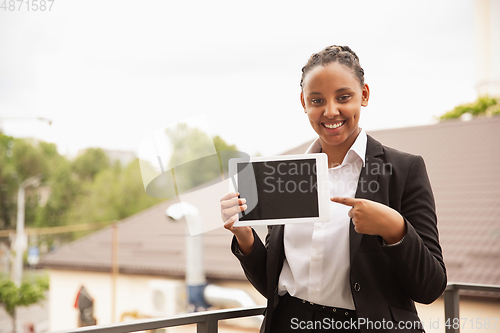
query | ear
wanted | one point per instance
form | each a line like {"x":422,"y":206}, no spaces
{"x":365,"y":96}
{"x":302,"y":101}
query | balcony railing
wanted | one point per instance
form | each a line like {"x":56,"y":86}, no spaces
{"x":452,"y":300}
{"x":207,"y":322}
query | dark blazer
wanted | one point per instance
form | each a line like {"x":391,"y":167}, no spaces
{"x":385,"y":281}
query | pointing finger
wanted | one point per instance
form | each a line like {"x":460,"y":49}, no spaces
{"x":345,"y":201}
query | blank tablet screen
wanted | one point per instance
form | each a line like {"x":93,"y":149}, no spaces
{"x":285,"y":189}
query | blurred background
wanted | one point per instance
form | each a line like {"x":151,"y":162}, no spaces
{"x":83,"y":83}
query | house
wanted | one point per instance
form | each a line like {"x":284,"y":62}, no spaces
{"x":151,"y":256}
{"x":462,"y":159}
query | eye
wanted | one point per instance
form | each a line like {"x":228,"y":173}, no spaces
{"x":316,"y":101}
{"x":344,"y":98}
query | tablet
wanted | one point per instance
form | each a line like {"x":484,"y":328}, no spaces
{"x":282,"y":189}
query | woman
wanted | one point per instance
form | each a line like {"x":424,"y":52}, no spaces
{"x":380,"y":252}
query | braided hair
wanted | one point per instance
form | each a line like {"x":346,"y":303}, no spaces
{"x":341,"y":54}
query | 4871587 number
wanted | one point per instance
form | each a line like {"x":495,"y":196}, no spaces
{"x":27,"y":5}
{"x":472,"y":323}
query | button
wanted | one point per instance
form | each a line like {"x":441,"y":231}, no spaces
{"x":316,"y":257}
{"x":314,"y":291}
{"x":346,"y":313}
{"x":334,"y":310}
{"x":357,"y":287}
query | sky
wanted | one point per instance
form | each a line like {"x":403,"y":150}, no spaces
{"x":110,"y":73}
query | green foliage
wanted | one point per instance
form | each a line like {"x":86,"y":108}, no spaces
{"x":65,"y":189}
{"x":29,"y":292}
{"x":90,"y":163}
{"x":221,"y":145}
{"x":19,"y":160}
{"x":9,"y":295}
{"x":90,"y":188}
{"x":27,"y":159}
{"x":114,"y":194}
{"x":188,"y":144}
{"x":65,"y":180}
{"x":482,"y":106}
{"x":7,"y":181}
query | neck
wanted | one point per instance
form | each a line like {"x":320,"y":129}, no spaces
{"x":336,"y":154}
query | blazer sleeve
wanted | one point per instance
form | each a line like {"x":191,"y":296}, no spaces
{"x":254,"y":264}
{"x":418,"y":259}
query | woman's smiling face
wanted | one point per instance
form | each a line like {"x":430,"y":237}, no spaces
{"x":332,"y":98}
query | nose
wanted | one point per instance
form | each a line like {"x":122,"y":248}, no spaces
{"x":331,"y":110}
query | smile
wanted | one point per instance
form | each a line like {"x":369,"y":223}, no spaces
{"x":335,"y":125}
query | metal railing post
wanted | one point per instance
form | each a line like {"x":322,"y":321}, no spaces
{"x":209,"y":326}
{"x":451,"y":309}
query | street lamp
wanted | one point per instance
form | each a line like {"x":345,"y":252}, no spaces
{"x":48,"y":121}
{"x":21,"y":240}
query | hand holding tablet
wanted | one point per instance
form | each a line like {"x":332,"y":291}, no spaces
{"x":231,"y":205}
{"x":280,"y":189}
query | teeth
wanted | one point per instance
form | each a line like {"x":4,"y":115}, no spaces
{"x":337,"y":125}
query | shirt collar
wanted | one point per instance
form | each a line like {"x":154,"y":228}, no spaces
{"x":358,"y":148}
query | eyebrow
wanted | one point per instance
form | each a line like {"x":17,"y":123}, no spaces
{"x":338,"y":90}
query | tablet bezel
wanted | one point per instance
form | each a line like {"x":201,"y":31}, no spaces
{"x":322,"y":180}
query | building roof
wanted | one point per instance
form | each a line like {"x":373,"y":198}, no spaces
{"x":149,"y":244}
{"x":462,"y":160}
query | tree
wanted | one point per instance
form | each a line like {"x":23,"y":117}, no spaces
{"x":90,"y":163}
{"x":65,"y":189}
{"x":70,"y":183}
{"x":19,"y":160}
{"x":115,"y":194}
{"x":91,"y":188}
{"x":7,"y":181}
{"x":26,"y":294}
{"x":188,"y":144}
{"x":483,"y":105}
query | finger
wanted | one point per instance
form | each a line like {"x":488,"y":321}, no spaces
{"x":229,"y":224}
{"x":228,"y":212}
{"x":232,"y":202}
{"x":345,"y":201}
{"x":229,"y":196}
{"x":350,"y":213}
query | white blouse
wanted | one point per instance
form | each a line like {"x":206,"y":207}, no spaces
{"x":316,"y":266}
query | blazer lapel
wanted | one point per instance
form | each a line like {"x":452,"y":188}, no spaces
{"x":366,"y":185}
